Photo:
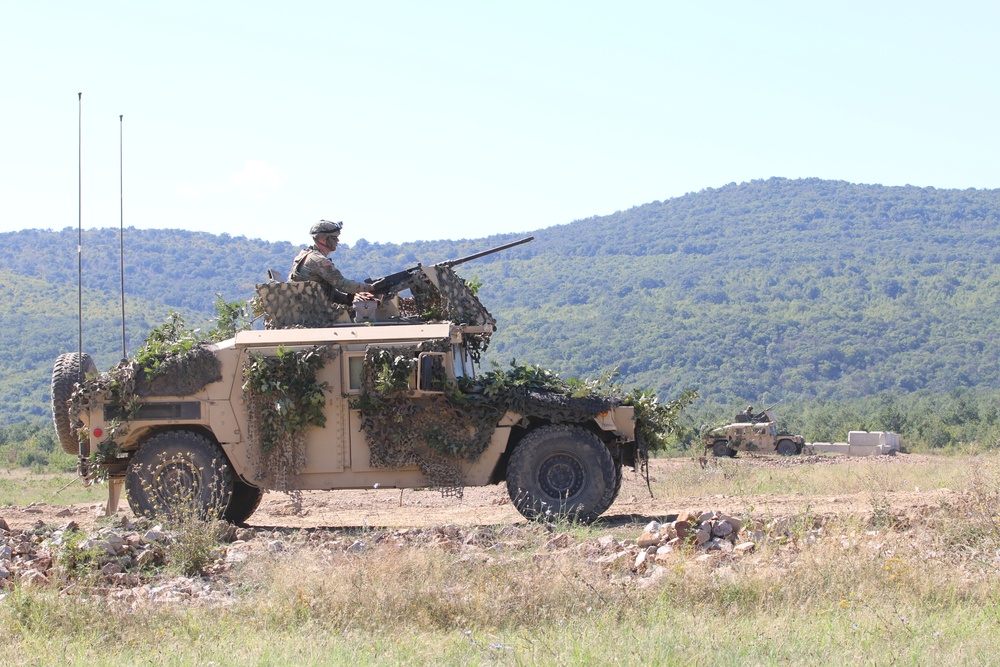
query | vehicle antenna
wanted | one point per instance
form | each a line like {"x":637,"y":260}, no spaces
{"x":79,"y":244}
{"x":79,"y":229}
{"x":121,"y":233}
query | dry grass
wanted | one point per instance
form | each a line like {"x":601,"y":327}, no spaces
{"x":818,"y":591}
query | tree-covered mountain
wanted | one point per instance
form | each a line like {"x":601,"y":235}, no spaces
{"x":792,"y":289}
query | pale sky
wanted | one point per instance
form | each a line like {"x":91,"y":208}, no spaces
{"x":432,"y":120}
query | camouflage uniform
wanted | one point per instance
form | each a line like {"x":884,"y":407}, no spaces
{"x":312,"y":264}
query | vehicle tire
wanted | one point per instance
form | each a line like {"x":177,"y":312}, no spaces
{"x":244,"y":502}
{"x":66,"y":373}
{"x":179,"y":475}
{"x":786,"y":447}
{"x":562,"y":471}
{"x":721,"y":449}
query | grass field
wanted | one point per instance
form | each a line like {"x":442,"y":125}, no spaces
{"x":879,"y":588}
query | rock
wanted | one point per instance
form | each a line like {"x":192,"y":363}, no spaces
{"x":560,"y":541}
{"x":32,"y":510}
{"x":607,"y":542}
{"x":277,"y":546}
{"x":155,"y":534}
{"x":233,"y":557}
{"x":652,"y":527}
{"x":656,"y":575}
{"x":640,"y":560}
{"x":111,"y":568}
{"x":65,"y":512}
{"x":687,"y":516}
{"x":3,"y":524}
{"x":722,"y":529}
{"x":124,"y":579}
{"x":5,"y":552}
{"x":707,"y":516}
{"x":701,"y":536}
{"x":611,"y":558}
{"x":732,"y":521}
{"x":70,"y":526}
{"x":114,"y":544}
{"x":245,"y":534}
{"x":33,"y":578}
{"x":648,"y":539}
{"x":4,"y":573}
{"x":745,"y":547}
{"x":704,"y":558}
{"x":683,"y":529}
{"x":664,"y":554}
{"x":145,"y":558}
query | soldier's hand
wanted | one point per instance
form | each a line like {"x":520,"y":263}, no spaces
{"x":363,"y":296}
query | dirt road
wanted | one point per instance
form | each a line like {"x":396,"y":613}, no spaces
{"x":491,"y":505}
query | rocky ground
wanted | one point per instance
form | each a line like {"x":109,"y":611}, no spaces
{"x":121,"y":556}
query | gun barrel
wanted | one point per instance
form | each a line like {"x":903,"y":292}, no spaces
{"x":455,"y":262}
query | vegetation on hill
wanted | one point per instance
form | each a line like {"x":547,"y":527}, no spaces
{"x":808,"y":291}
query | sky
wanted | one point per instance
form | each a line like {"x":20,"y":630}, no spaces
{"x":447,"y":120}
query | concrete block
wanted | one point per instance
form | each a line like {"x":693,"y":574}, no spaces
{"x":831,"y":447}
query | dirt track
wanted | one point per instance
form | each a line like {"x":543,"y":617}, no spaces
{"x":491,"y":505}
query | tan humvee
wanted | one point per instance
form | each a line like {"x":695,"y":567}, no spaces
{"x":758,"y":433}
{"x":195,"y":449}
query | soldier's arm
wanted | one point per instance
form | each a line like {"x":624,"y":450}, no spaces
{"x":336,"y":279}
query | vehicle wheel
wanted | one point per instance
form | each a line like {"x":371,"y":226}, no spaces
{"x":67,"y":372}
{"x":562,"y":471}
{"x":721,"y":448}
{"x":179,"y":475}
{"x":787,"y":448}
{"x":243,"y":502}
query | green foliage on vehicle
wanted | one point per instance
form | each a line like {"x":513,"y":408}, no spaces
{"x":284,"y":397}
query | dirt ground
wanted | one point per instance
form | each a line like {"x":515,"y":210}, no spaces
{"x":491,"y":505}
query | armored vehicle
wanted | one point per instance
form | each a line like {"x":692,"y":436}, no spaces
{"x":752,"y":433}
{"x":396,"y":400}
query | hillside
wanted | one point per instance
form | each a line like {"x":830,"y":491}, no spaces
{"x":791,"y":289}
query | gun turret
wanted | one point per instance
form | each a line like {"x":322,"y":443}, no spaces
{"x":395,"y":282}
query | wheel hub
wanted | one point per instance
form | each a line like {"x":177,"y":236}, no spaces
{"x":177,"y":482}
{"x":561,"y":476}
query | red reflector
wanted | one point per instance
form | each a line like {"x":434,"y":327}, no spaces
{"x":98,"y":433}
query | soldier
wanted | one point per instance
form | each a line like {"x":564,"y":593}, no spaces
{"x":312,"y":263}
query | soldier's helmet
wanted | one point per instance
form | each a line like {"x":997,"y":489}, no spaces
{"x":326,"y":227}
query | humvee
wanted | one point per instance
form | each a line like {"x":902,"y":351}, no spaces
{"x":185,"y":445}
{"x":756,"y":433}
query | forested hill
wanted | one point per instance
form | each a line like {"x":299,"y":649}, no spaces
{"x":792,"y":289}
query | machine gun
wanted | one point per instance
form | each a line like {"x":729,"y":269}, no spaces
{"x":394,"y":282}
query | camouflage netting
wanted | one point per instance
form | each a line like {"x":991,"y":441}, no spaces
{"x":435,"y":432}
{"x":283,"y":400}
{"x":555,"y":407}
{"x":298,"y":304}
{"x":438,"y":432}
{"x":181,"y":375}
{"x":440,"y":294}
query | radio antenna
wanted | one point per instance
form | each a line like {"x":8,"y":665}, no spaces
{"x":121,"y":233}
{"x":79,"y":230}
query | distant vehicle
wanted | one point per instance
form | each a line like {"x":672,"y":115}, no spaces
{"x":752,"y":432}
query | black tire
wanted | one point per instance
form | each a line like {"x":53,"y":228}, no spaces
{"x":562,"y":471}
{"x":787,"y":447}
{"x":179,"y":475}
{"x":244,"y":502}
{"x":720,"y":448}
{"x":67,"y":372}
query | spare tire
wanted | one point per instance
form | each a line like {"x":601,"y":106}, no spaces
{"x":69,"y":369}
